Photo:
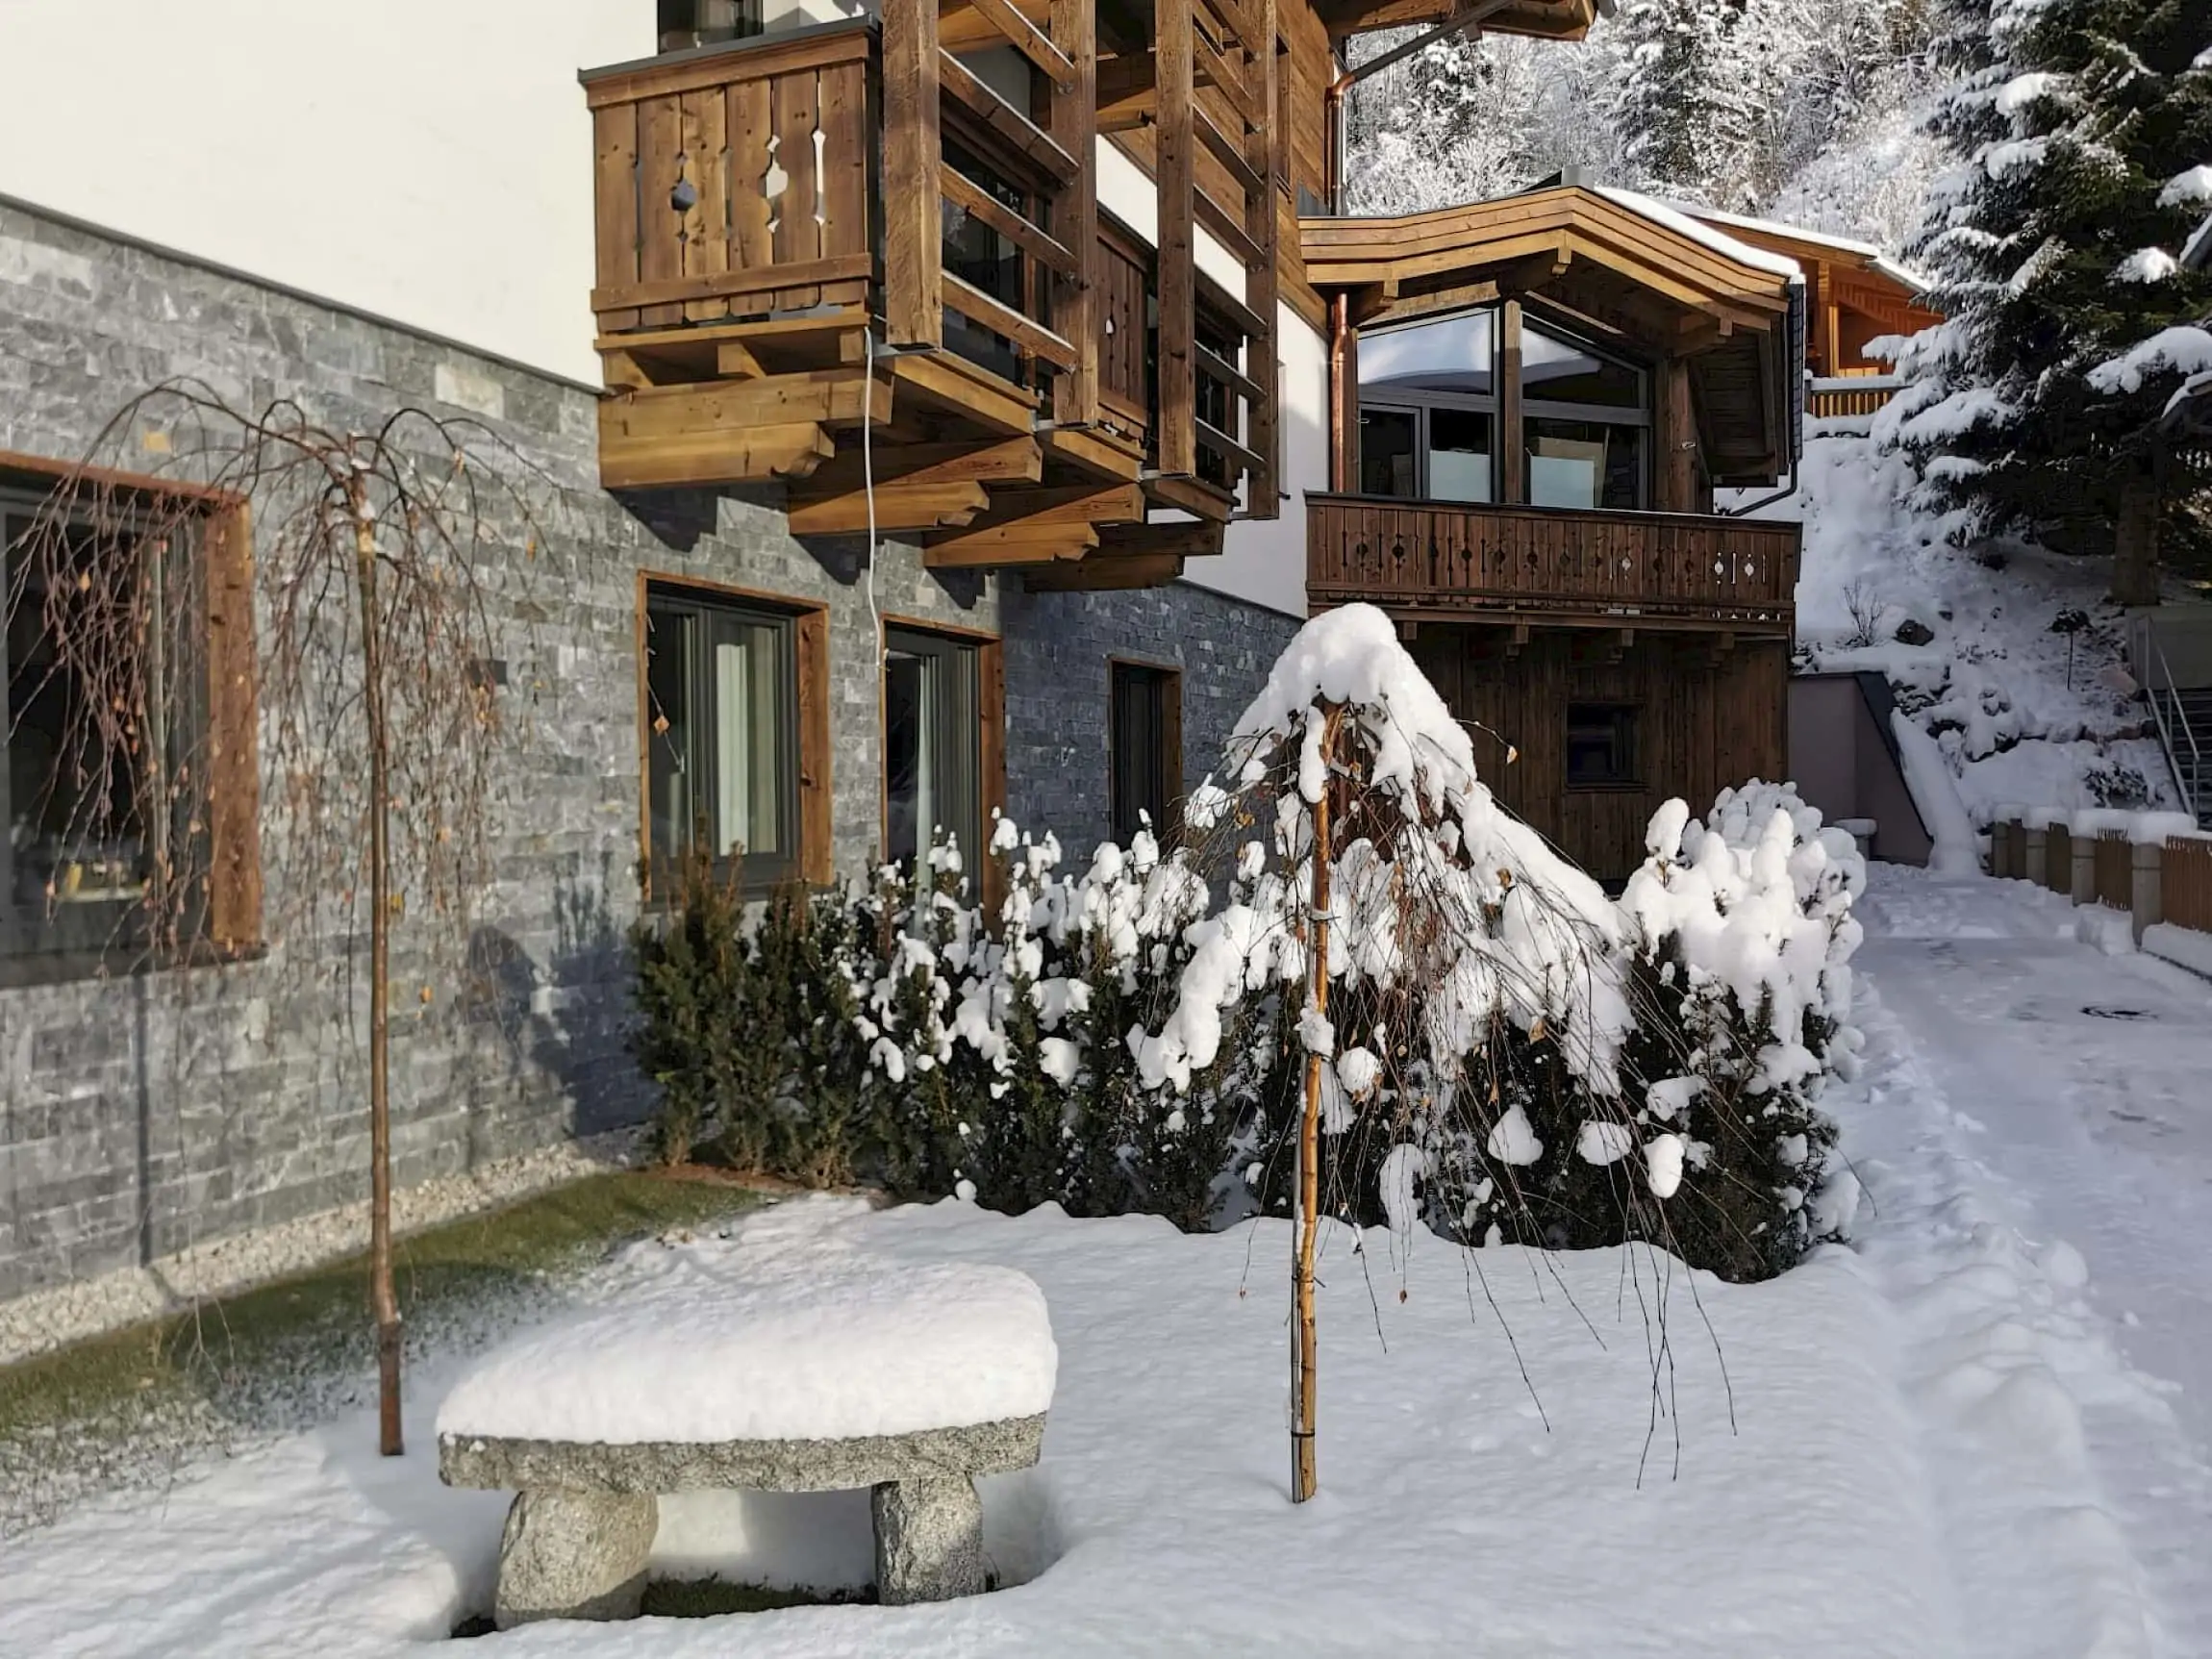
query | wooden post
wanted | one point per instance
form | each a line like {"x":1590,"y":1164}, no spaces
{"x":1678,"y":432}
{"x":1509,"y":444}
{"x":383,"y":1301}
{"x":1175,"y":76}
{"x":1074,"y":123}
{"x":1305,"y":1347}
{"x":913,"y":162}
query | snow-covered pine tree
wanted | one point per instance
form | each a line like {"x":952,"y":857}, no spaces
{"x":1685,"y":107}
{"x":2079,"y":127}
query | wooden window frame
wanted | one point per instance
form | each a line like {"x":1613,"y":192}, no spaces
{"x":815,"y":863}
{"x":1627,"y":715}
{"x":1171,"y":745}
{"x":232,"y":928}
{"x":991,"y":735}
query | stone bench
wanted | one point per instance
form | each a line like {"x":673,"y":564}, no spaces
{"x":584,"y":1516}
{"x":827,"y":1373}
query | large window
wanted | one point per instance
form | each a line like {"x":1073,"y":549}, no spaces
{"x":1431,"y":416}
{"x":1601,"y":747}
{"x":721,"y":681}
{"x":985,"y":258}
{"x":85,"y":839}
{"x":1145,"y":737}
{"x":933,"y":762}
{"x":688,"y":23}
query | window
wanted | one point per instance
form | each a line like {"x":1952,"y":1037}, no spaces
{"x":688,"y":23}
{"x":1144,"y":740}
{"x":1429,"y":415}
{"x":83,"y":840}
{"x":722,"y":740}
{"x":1601,"y":746}
{"x":985,"y":258}
{"x":932,"y":761}
{"x":1584,"y":421}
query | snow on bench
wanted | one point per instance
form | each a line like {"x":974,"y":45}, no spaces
{"x":910,"y":1380}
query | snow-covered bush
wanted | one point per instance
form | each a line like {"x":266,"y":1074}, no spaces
{"x":1502,"y":1052}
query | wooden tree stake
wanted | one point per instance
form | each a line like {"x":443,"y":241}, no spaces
{"x":1305,"y":1349}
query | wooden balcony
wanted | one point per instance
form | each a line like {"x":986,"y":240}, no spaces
{"x":807,"y":234}
{"x":1850,"y":396}
{"x":1549,"y":566}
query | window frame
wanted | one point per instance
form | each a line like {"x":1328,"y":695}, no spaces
{"x":989,"y":659}
{"x":802,"y":725}
{"x":1626,"y":717}
{"x":221,"y":819}
{"x":1506,"y":366}
{"x":1167,"y":683}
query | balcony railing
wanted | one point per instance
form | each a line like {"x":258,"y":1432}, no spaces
{"x":1454,"y":558}
{"x":765,"y":204}
{"x":1850,"y":396}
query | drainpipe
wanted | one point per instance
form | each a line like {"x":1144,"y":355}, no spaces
{"x":1333,"y":100}
{"x":1751,"y":507}
{"x":1339,"y":344}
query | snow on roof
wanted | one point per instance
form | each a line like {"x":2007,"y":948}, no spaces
{"x":1868,"y":251}
{"x":1681,"y":223}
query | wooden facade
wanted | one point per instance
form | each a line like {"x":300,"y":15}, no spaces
{"x":1614,"y":656}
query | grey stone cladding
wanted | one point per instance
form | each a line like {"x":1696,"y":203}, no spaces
{"x":141,"y":1116}
{"x":1059,"y":652}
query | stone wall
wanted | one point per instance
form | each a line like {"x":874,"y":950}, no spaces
{"x":1059,"y":647}
{"x":143,"y":1115}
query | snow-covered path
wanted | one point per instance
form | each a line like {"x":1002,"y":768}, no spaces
{"x":2036,"y":1135}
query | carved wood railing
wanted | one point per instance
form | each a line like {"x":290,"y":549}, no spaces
{"x":1465,"y":557}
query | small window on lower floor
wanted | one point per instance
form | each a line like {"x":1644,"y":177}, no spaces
{"x":1145,"y":737}
{"x":932,"y":735}
{"x":1601,"y":746}
{"x":721,"y":692}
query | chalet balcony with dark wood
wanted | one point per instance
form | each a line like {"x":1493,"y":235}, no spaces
{"x":879,"y":227}
{"x":1464,"y":561}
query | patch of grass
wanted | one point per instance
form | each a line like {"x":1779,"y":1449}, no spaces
{"x":317,"y":1323}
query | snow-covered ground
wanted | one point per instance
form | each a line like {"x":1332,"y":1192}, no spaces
{"x":2018,"y":713}
{"x":1941,"y":1441}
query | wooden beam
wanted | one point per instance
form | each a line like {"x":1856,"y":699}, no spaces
{"x":972,"y":550}
{"x":1215,"y":442}
{"x":1031,"y":337}
{"x":1677,"y":431}
{"x":1510,"y":441}
{"x":1185,"y":538}
{"x":1099,"y":572}
{"x":1176,"y":171}
{"x":1214,"y":366}
{"x":981,"y":100}
{"x":895,"y":507}
{"x":1025,"y":37}
{"x":913,"y":174}
{"x":951,"y":385}
{"x":965,"y":193}
{"x":738,"y":284}
{"x":1192,"y":496}
{"x":743,"y":455}
{"x":830,"y":396}
{"x":1074,"y":303}
{"x":1063,"y":504}
{"x":1001,"y":461}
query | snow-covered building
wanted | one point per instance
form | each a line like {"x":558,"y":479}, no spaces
{"x":920,"y":396}
{"x":1536,"y":398}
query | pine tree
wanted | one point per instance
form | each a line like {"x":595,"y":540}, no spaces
{"x":2052,"y":242}
{"x":1686,"y":106}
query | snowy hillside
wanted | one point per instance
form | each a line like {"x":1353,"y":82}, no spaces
{"x":2023,"y":712}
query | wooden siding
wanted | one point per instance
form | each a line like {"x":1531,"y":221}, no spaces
{"x":1705,"y":720}
{"x":2185,"y":883}
{"x":1447,"y":557}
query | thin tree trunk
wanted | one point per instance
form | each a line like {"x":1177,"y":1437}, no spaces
{"x":383,"y":1299}
{"x":2135,"y":537}
{"x":1305,"y":1346}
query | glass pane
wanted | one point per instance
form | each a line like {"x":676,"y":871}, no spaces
{"x":1557,"y":370}
{"x":748,"y":759}
{"x":905,"y":736}
{"x":931,"y":740}
{"x":671,"y":649}
{"x":1458,"y":455}
{"x":1584,"y":463}
{"x":1453,"y":355}
{"x":1388,"y":452}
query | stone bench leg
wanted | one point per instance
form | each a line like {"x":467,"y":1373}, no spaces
{"x":574,"y":1555}
{"x":928,"y":1539}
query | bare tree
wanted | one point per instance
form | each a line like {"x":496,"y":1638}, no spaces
{"x":356,"y":676}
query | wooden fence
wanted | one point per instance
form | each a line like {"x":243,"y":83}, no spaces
{"x":2114,"y":865}
{"x":2186,"y":883}
{"x":2058,"y":859}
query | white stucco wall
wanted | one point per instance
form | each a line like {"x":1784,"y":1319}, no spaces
{"x":426,"y":159}
{"x":1264,"y":559}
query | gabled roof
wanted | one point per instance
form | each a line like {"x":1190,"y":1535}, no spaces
{"x":1814,"y":245}
{"x":1659,"y":282}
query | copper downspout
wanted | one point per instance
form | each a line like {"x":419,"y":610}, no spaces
{"x":1340,"y":344}
{"x":1333,"y":99}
